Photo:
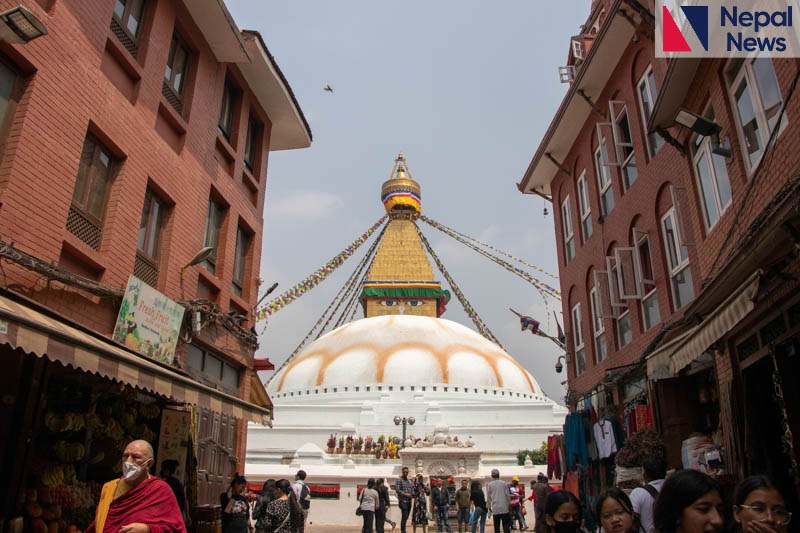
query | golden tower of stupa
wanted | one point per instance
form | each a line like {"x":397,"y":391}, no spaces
{"x":401,"y":280}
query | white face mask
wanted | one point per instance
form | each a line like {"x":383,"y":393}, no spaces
{"x":131,"y":471}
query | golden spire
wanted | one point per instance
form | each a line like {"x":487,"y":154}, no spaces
{"x":401,"y":195}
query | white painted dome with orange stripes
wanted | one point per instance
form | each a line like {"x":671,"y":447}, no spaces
{"x":403,"y":350}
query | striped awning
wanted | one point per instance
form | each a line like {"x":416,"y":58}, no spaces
{"x":685,"y":349}
{"x":33,"y":332}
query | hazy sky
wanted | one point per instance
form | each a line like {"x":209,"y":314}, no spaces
{"x":465,"y":89}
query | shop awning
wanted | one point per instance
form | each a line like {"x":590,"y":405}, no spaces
{"x":686,"y":348}
{"x":25,"y":328}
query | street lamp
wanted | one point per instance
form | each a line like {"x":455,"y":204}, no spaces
{"x":705,"y":127}
{"x":20,"y":26}
{"x":403,"y":420}
{"x":199,"y":257}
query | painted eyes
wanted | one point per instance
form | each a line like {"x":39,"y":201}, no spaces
{"x":389,"y":303}
{"x":414,"y":303}
{"x":394,"y":303}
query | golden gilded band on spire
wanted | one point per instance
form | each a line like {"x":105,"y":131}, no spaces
{"x":400,"y":194}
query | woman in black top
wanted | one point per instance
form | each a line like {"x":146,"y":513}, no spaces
{"x":260,"y":508}
{"x":477,"y":501}
{"x":235,"y":507}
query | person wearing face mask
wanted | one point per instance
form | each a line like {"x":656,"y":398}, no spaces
{"x":760,"y":507}
{"x":562,"y":513}
{"x":137,"y":502}
{"x":689,"y":502}
{"x":614,"y":513}
{"x":235,"y":507}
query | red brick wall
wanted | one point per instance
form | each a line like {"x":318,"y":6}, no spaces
{"x":649,"y":198}
{"x":73,"y":82}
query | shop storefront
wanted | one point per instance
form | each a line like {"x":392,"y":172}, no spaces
{"x":73,"y":399}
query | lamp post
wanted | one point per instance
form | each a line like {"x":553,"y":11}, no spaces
{"x":199,"y":257}
{"x":403,"y":420}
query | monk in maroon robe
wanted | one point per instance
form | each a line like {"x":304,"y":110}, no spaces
{"x":137,"y":502}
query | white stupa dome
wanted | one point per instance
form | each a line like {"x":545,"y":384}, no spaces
{"x":403,"y":349}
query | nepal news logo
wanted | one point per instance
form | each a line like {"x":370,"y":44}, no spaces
{"x":725,"y":28}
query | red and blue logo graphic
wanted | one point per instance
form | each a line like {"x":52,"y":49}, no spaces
{"x":672,"y":37}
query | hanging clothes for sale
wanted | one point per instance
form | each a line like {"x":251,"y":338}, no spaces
{"x":572,"y":482}
{"x":604,"y":438}
{"x":644,"y":417}
{"x":619,"y":434}
{"x":575,"y":440}
{"x":553,"y":457}
{"x":588,"y":435}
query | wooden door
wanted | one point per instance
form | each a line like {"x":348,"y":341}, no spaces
{"x":677,"y":415}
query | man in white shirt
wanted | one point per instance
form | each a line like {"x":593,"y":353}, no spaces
{"x":302,"y":492}
{"x":499,"y":500}
{"x":654,"y":470}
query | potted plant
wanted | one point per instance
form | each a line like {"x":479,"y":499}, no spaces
{"x":349,"y":444}
{"x":357,"y":445}
{"x":340,"y":449}
{"x":368,"y":444}
{"x":331,"y":443}
{"x":378,"y":451}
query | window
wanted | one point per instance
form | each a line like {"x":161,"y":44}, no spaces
{"x":253,"y":142}
{"x":624,"y":144}
{"x":175,"y":74}
{"x":126,"y":22}
{"x":213,"y":370}
{"x":600,"y":350}
{"x":566,"y":226}
{"x":147,"y":248}
{"x":604,"y":179}
{"x":713,"y":182}
{"x":647,"y":99}
{"x":242,"y":247}
{"x":677,"y":261}
{"x":226,"y":110}
{"x":211,"y":238}
{"x":577,"y":337}
{"x":85,"y":219}
{"x":624,"y":331}
{"x":8,"y":81}
{"x":584,"y":207}
{"x":650,"y":313}
{"x":623,"y":320}
{"x":757,"y":100}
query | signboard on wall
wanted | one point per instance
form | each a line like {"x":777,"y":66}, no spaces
{"x":148,"y":322}
{"x":173,"y":440}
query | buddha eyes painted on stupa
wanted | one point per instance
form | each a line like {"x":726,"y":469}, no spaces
{"x":394,"y":303}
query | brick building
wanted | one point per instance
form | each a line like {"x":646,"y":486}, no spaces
{"x":134,"y":134}
{"x":677,"y":251}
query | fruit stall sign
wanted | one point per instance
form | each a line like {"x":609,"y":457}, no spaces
{"x":148,"y":322}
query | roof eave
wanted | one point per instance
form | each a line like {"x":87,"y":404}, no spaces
{"x":616,"y":33}
{"x":219,"y":30}
{"x":290,"y":129}
{"x":677,"y":82}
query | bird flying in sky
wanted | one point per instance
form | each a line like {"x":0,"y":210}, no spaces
{"x":328,"y":88}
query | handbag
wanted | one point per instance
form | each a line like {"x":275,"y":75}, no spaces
{"x":429,"y":515}
{"x":358,"y":509}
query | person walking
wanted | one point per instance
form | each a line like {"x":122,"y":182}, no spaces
{"x":477,"y":501}
{"x":404,"y":489}
{"x":499,"y":501}
{"x":369,"y":503}
{"x":654,"y":470}
{"x":235,"y":507}
{"x":383,"y":508}
{"x":137,"y":501}
{"x":168,"y":469}
{"x":759,"y":507}
{"x":614,"y":512}
{"x":440,"y":503}
{"x":462,"y":506}
{"x":284,"y":514}
{"x":689,"y":502}
{"x":515,"y":507}
{"x":539,"y":492}
{"x":302,"y":493}
{"x":419,"y":516}
{"x":562,"y":513}
{"x":260,"y":507}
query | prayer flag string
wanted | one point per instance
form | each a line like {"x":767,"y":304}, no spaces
{"x":317,"y":277}
{"x":541,"y":286}
{"x":483,"y":329}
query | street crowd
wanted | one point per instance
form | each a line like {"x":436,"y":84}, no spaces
{"x":687,"y":501}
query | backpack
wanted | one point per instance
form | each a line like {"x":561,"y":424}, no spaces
{"x":305,"y":498}
{"x":651,"y":490}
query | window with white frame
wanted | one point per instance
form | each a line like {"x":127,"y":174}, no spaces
{"x":647,"y":99}
{"x":651,"y":315}
{"x":713,"y":182}
{"x":624,"y":145}
{"x":677,"y":260}
{"x":757,"y":99}
{"x":584,"y":207}
{"x":623,"y":321}
{"x":604,"y":178}
{"x":566,"y":226}
{"x":577,"y":338}
{"x":600,"y":350}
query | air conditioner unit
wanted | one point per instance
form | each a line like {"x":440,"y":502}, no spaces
{"x":566,"y":74}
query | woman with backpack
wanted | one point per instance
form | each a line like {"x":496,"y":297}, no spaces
{"x":260,"y":508}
